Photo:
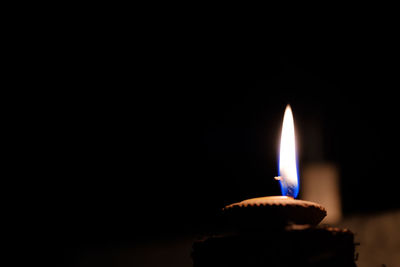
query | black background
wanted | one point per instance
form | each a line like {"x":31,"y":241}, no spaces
{"x":153,"y":139}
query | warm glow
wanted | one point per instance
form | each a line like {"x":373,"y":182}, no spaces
{"x":287,"y":157}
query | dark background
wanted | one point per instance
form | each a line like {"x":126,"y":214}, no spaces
{"x":155,"y":140}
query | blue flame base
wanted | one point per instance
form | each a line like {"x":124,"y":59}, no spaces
{"x":289,"y":190}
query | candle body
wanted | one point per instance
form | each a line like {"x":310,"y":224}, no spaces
{"x":320,"y":183}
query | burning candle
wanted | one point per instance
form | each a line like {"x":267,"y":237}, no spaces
{"x":277,"y":230}
{"x":285,"y":208}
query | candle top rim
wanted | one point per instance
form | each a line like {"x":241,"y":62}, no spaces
{"x":275,"y":200}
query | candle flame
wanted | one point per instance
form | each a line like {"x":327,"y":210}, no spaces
{"x":287,"y":157}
